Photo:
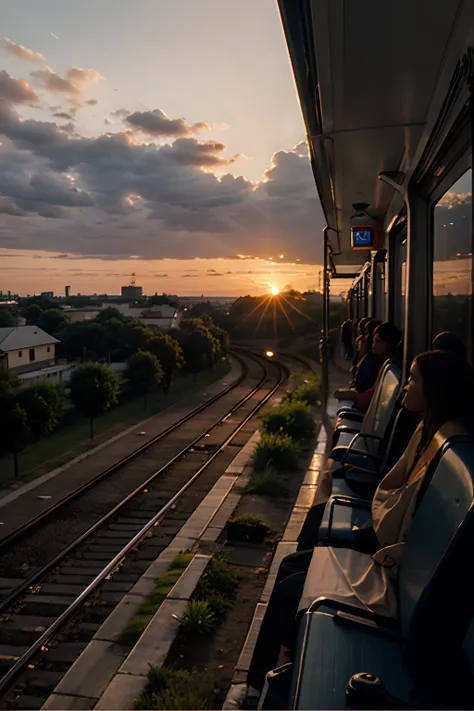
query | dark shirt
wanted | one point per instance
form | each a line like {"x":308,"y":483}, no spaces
{"x":367,"y":373}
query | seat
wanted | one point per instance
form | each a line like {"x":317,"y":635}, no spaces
{"x":377,"y":420}
{"x":435,"y":606}
{"x":361,"y":479}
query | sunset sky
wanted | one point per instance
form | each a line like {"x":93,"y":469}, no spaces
{"x":156,"y":137}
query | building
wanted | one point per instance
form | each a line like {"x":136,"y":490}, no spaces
{"x":25,"y":348}
{"x":80,"y":313}
{"x":132,"y":292}
{"x":29,"y":352}
{"x":164,"y":316}
{"x":48,"y":294}
{"x":67,"y":291}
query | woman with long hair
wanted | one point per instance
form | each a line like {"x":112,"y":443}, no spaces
{"x":441,"y":391}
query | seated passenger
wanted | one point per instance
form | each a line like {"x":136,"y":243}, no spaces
{"x":448,"y":341}
{"x":445,"y":403}
{"x":366,"y":371}
{"x":359,"y":340}
{"x":385,"y":342}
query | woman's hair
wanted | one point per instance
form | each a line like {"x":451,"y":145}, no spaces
{"x":448,"y":341}
{"x":389,"y":334}
{"x":448,"y":388}
{"x":370,"y":327}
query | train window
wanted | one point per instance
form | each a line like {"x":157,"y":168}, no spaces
{"x":452,"y":260}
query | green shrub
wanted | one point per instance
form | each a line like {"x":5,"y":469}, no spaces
{"x":248,"y":518}
{"x":276,"y":450}
{"x":198,"y":618}
{"x":307,"y":389}
{"x":219,"y":579}
{"x":176,"y":689}
{"x":292,"y":418}
{"x":266,"y":484}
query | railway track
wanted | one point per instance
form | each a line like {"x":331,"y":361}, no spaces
{"x":48,"y":618}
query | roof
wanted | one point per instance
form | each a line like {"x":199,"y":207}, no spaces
{"x":370,"y":106}
{"x":11,"y":339}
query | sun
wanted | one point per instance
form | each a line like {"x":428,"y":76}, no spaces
{"x":274,"y":291}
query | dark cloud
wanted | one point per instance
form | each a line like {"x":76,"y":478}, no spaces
{"x":64,"y":115}
{"x":21,"y":52}
{"x":16,"y":91}
{"x":160,"y":276}
{"x":91,"y":102}
{"x":189,"y":276}
{"x":120,"y":113}
{"x":115,"y":191}
{"x":157,"y":123}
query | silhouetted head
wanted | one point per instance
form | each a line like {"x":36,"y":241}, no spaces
{"x":448,"y":341}
{"x":440,"y":388}
{"x":386,"y":341}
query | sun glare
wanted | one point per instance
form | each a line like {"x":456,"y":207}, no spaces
{"x":274,"y":291}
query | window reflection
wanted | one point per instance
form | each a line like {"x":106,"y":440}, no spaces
{"x":452,"y":260}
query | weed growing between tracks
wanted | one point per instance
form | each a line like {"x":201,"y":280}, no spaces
{"x":138,"y":624}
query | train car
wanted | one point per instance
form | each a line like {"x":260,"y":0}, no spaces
{"x":386,"y":92}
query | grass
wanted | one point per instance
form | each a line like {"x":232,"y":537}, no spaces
{"x":76,"y":436}
{"x":198,"y":618}
{"x":277,"y":451}
{"x":176,"y":689}
{"x":292,"y":418}
{"x":266,"y":484}
{"x":138,"y":624}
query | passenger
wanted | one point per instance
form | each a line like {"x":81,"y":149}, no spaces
{"x":448,"y":341}
{"x":346,"y":339}
{"x":445,"y":404}
{"x":368,"y":366}
{"x":360,"y":334}
{"x":385,"y":344}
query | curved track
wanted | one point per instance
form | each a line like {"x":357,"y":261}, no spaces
{"x":94,"y":562}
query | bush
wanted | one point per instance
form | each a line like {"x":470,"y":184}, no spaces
{"x":291,"y":418}
{"x":247,"y":527}
{"x":219,"y":579}
{"x":266,"y":484}
{"x":307,"y":389}
{"x":277,"y":451}
{"x":198,"y":618}
{"x":176,"y":689}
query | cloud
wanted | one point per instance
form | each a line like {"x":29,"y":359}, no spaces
{"x":92,"y":102}
{"x":120,"y":114}
{"x":73,"y":84}
{"x":54,"y":36}
{"x":156,"y":123}
{"x":64,"y":115}
{"x":21,"y":52}
{"x":170,"y":201}
{"x":16,"y":91}
{"x":160,"y":276}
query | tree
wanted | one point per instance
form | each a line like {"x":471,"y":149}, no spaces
{"x":14,"y":429}
{"x":51,"y":321}
{"x":9,"y":384}
{"x":109,"y":313}
{"x":43,"y":404}
{"x":144,"y":372}
{"x":77,"y":339}
{"x":32,"y":314}
{"x":94,"y":390}
{"x":222,"y":338}
{"x":8,"y":319}
{"x":198,"y":348}
{"x":169,"y":353}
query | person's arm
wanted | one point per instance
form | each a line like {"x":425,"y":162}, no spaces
{"x":362,"y":400}
{"x":345,"y":394}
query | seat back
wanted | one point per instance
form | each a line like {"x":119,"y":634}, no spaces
{"x":441,"y":530}
{"x":380,"y":414}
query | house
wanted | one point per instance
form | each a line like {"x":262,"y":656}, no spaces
{"x":164,"y":316}
{"x":26,"y":348}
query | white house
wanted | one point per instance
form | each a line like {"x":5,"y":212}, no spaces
{"x":29,"y":352}
{"x":163,"y":316}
